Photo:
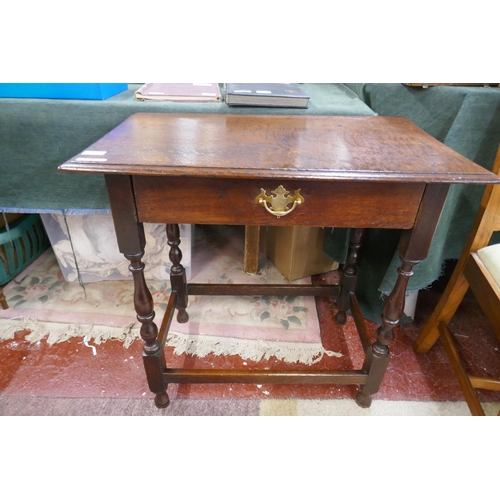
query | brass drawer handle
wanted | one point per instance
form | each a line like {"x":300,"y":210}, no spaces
{"x":280,"y":201}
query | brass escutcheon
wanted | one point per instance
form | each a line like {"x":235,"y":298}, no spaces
{"x":280,"y":201}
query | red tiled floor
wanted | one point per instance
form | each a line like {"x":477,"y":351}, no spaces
{"x":70,"y":369}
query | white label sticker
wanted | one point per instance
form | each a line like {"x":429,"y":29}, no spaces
{"x":263,"y":91}
{"x":84,"y":160}
{"x":242,"y":91}
{"x":93,"y":153}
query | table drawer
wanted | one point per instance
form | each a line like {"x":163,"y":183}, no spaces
{"x":192,"y":200}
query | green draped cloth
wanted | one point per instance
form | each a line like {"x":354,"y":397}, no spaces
{"x":467,"y":119}
{"x":38,"y":135}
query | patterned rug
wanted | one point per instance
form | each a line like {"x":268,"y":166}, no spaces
{"x":255,"y":328}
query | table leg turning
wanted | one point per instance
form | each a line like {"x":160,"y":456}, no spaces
{"x":413,"y":248}
{"x":377,"y":355}
{"x":349,"y":274}
{"x":153,"y":353}
{"x":177,"y":272}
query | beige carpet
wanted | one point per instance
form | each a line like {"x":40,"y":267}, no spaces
{"x":41,"y":301}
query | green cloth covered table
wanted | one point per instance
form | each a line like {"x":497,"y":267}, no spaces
{"x":467,"y":119}
{"x":38,"y":135}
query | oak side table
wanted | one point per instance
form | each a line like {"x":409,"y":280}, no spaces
{"x":257,"y":170}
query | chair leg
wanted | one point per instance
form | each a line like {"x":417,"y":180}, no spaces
{"x":444,"y":311}
{"x":463,"y":377}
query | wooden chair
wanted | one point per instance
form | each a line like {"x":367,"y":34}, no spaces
{"x":478,"y":268}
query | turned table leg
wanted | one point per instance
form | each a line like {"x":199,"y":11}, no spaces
{"x":377,"y":355}
{"x":349,"y":275}
{"x":131,"y":243}
{"x":413,"y":247}
{"x":177,"y":272}
{"x":153,"y":354}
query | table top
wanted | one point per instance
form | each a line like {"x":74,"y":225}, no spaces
{"x":374,"y":148}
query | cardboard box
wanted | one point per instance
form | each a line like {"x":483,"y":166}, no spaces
{"x":89,"y":248}
{"x":296,"y":251}
{"x":84,"y":91}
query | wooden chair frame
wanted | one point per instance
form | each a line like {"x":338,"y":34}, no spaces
{"x":469,"y":272}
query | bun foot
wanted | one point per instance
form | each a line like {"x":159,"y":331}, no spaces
{"x":182,"y":316}
{"x":363,"y":400}
{"x":341,"y":317}
{"x":162,"y":400}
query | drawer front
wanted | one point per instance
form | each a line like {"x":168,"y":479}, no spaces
{"x":189,"y":200}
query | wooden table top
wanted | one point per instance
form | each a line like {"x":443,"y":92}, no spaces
{"x":374,"y":148}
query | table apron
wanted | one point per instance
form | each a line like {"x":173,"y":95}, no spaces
{"x":196,"y":200}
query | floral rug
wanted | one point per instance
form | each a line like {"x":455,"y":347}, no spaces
{"x":255,"y":328}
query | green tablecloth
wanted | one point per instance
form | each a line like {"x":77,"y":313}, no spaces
{"x":38,"y":135}
{"x":467,"y":119}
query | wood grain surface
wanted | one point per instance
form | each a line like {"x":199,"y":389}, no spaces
{"x":375,"y":148}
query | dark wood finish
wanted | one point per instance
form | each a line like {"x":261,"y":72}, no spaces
{"x":356,"y":172}
{"x":264,"y":376}
{"x":378,"y":354}
{"x":349,"y":276}
{"x":153,"y":355}
{"x":414,"y":245}
{"x":361,"y":328}
{"x":177,"y":272}
{"x":469,"y":272}
{"x":167,"y":319}
{"x":371,"y":148}
{"x":216,"y":289}
{"x":413,"y":248}
{"x":131,"y":242}
{"x":224,"y":201}
{"x":129,"y":231}
{"x":375,"y":365}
